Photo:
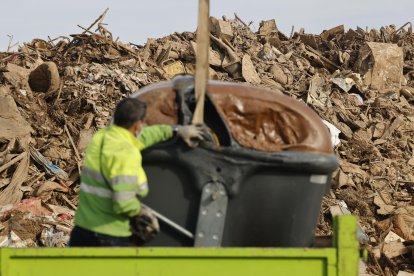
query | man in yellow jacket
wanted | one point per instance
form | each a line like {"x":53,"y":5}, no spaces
{"x":113,"y":180}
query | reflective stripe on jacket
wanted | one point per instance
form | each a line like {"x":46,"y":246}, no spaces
{"x":106,"y":207}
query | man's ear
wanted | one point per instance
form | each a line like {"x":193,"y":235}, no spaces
{"x":138,"y":126}
{"x":135,"y":128}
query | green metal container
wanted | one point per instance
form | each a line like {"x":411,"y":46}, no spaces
{"x":339,"y":260}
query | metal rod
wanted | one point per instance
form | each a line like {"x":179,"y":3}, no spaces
{"x":171,"y":223}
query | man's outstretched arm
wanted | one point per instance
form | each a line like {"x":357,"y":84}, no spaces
{"x":154,"y":134}
{"x":158,"y":133}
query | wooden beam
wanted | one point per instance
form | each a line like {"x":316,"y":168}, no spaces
{"x":202,"y":65}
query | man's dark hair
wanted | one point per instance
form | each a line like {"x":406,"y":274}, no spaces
{"x":129,"y":111}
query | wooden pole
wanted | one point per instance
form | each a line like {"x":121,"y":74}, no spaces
{"x":202,"y":64}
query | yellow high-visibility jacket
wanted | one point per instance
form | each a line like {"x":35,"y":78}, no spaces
{"x":103,"y":209}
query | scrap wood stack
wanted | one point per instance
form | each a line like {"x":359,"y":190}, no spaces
{"x":55,"y":94}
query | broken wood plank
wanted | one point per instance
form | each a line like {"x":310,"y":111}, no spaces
{"x":394,"y":249}
{"x":13,"y":161}
{"x":72,"y":143}
{"x":394,"y":125}
{"x":328,"y":64}
{"x":249,"y":71}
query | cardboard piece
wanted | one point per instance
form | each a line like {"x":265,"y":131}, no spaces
{"x":249,"y":71}
{"x":381,"y":65}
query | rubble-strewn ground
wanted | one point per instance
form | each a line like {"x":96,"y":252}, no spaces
{"x":364,"y":89}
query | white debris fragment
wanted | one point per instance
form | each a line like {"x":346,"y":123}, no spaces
{"x":334,"y":133}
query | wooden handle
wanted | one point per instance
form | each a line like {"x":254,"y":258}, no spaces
{"x":202,"y":64}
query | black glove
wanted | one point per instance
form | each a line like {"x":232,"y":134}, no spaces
{"x":144,"y":226}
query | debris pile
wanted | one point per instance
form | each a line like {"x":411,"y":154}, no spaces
{"x":55,"y":94}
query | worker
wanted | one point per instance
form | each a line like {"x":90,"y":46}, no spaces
{"x":113,"y":180}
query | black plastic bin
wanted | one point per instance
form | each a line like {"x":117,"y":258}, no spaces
{"x":230,"y":195}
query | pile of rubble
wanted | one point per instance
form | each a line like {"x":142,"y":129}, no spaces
{"x":361,"y":82}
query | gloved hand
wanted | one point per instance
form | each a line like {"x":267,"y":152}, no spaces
{"x":190,"y":133}
{"x":144,"y":226}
